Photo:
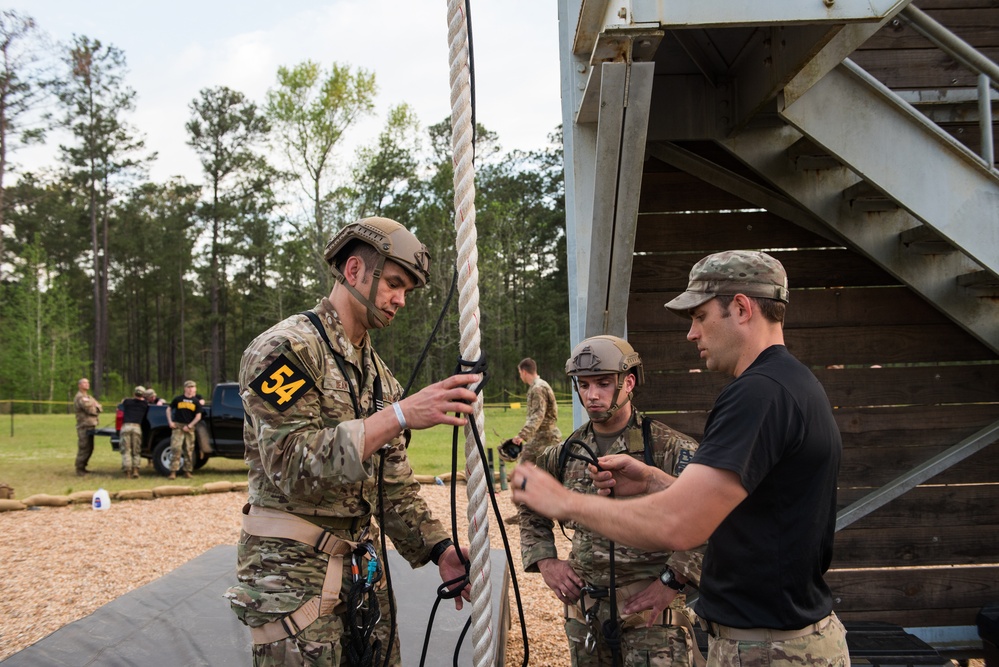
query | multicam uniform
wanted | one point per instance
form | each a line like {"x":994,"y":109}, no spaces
{"x":540,"y":431}
{"x":304,"y":444}
{"x":662,"y":645}
{"x":87,"y":409}
{"x":183,"y":412}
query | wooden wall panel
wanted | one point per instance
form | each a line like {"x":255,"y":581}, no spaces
{"x":912,"y":546}
{"x":910,"y":69}
{"x":700,"y":232}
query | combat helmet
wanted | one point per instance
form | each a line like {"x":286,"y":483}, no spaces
{"x":392,"y":241}
{"x":605,"y":355}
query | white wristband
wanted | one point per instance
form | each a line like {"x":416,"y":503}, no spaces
{"x":401,"y":417}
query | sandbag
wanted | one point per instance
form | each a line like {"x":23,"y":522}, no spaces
{"x":45,"y":500}
{"x":134,"y":494}
{"x":240,"y":486}
{"x":7,"y":505}
{"x":172,"y":490}
{"x":216,"y":487}
{"x":82,"y":497}
{"x":6,"y":492}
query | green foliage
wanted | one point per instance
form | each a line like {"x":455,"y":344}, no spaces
{"x":38,"y":457}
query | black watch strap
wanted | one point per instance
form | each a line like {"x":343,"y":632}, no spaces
{"x":439,"y":549}
{"x":668,"y":579}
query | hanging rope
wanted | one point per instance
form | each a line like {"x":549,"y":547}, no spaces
{"x":483,"y":639}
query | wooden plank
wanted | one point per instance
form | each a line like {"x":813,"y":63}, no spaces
{"x":920,"y":385}
{"x":917,"y":546}
{"x":832,"y":345}
{"x":862,"y":471}
{"x":711,"y":231}
{"x":679,"y":191}
{"x":838,"y":307}
{"x":919,"y":68}
{"x":928,"y":590}
{"x":805,"y":268}
{"x":963,"y":505}
{"x":979,"y":27}
{"x":916,"y":618}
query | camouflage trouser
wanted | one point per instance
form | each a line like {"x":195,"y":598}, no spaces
{"x":826,"y":647}
{"x":658,"y":646}
{"x":182,"y":444}
{"x":540,"y":443}
{"x":84,"y":446}
{"x":322,"y":642}
{"x":131,"y":446}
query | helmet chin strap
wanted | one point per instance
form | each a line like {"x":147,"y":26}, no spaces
{"x":601,"y":417}
{"x":376,"y":319}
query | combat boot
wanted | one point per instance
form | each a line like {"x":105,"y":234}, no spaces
{"x":188,"y":475}
{"x":135,"y":473}
{"x":172,"y":475}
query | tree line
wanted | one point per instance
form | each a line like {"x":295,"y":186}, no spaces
{"x":107,"y":273}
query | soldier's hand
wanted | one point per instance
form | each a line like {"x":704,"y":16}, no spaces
{"x":541,"y":492}
{"x":655,"y":597}
{"x":625,"y":475}
{"x":437,"y":403}
{"x":451,"y":568}
{"x":561,"y":578}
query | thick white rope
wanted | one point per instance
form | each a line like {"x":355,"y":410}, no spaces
{"x":483,"y":639}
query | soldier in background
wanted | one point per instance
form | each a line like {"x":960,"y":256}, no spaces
{"x":183,"y":415}
{"x":320,"y":403}
{"x":540,"y":430}
{"x":152,"y":398}
{"x":133,"y":412}
{"x":87,"y":410}
{"x":650,"y":622}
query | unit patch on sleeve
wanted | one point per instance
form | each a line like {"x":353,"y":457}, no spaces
{"x":686,"y":456}
{"x":282,"y":383}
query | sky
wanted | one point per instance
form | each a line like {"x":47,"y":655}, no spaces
{"x":175,"y":49}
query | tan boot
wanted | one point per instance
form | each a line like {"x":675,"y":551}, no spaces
{"x":172,"y":475}
{"x":135,"y":473}
{"x":188,"y":475}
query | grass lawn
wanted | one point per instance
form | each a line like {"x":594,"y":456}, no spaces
{"x":39,"y":456}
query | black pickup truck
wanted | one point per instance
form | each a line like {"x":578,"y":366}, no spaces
{"x":220,"y":432}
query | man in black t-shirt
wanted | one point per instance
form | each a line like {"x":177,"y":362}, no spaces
{"x":761,"y":488}
{"x":133,"y":411}
{"x":183,"y":414}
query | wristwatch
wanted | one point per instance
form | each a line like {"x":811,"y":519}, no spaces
{"x":668,"y":578}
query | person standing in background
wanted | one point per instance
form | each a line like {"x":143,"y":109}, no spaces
{"x":183,"y":415}
{"x":540,"y":430}
{"x":133,"y":411}
{"x":87,"y":410}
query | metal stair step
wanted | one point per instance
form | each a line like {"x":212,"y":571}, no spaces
{"x":925,"y":241}
{"x":865,"y":197}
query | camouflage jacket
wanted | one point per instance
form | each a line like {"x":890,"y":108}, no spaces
{"x":87,"y":409}
{"x":542,"y":415}
{"x":304,"y":442}
{"x":671,"y":451}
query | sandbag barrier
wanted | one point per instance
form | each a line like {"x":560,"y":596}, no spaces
{"x":87,"y":497}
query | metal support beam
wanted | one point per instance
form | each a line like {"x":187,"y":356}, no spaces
{"x":701,"y":14}
{"x":622,"y":126}
{"x":876,"y":235}
{"x":917,"y":476}
{"x":864,"y":125}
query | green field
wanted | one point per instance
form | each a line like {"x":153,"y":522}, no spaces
{"x":38,"y":457}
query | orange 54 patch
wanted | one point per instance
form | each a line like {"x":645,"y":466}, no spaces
{"x":282,"y":383}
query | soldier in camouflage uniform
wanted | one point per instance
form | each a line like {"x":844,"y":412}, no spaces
{"x":540,"y":430}
{"x":87,"y":410}
{"x":319,"y":404}
{"x":761,"y":488}
{"x":653,"y":625}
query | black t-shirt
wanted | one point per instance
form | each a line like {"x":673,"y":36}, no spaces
{"x":763,"y":567}
{"x":183,"y":409}
{"x":133,"y":410}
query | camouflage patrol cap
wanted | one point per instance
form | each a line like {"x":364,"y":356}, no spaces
{"x":729,"y":273}
{"x":140,"y":390}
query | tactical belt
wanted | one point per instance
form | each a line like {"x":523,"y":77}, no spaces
{"x":765,"y":634}
{"x":669,"y":617}
{"x":267,"y":522}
